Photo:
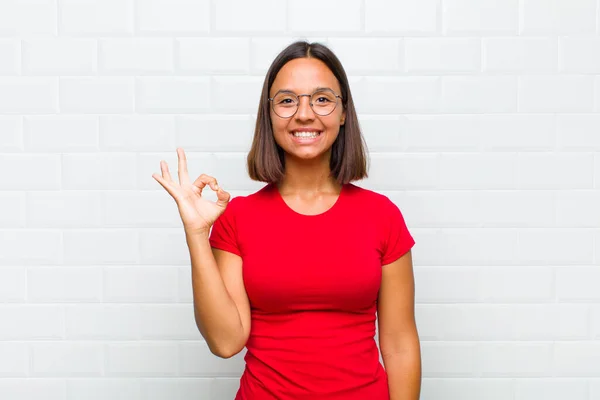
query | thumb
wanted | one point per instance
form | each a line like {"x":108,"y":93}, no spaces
{"x":222,"y":197}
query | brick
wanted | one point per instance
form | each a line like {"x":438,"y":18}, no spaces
{"x":197,"y":360}
{"x":17,"y":245}
{"x":96,"y":17}
{"x":12,"y":133}
{"x":578,"y":132}
{"x":33,"y":388}
{"x":520,"y":54}
{"x":494,"y":171}
{"x":478,"y":246}
{"x":178,"y":388}
{"x":26,"y":95}
{"x":172,"y":95}
{"x":136,"y":56}
{"x":32,"y":322}
{"x":145,"y":284}
{"x":467,"y":388}
{"x":122,"y":210}
{"x":12,"y":214}
{"x":235,"y":94}
{"x":28,"y":18}
{"x":517,"y":132}
{"x":143,"y":359}
{"x":271,"y":19}
{"x":104,"y":388}
{"x":432,"y":284}
{"x":539,"y":17}
{"x":100,"y":247}
{"x":14,"y":360}
{"x":214,"y":133}
{"x":263,"y":51}
{"x":425,"y":208}
{"x":213,"y":55}
{"x":97,"y":95}
{"x":580,"y":55}
{"x":13,"y":286}
{"x":578,"y":209}
{"x":443,"y":55}
{"x":136,"y":132}
{"x":551,"y":389}
{"x":67,"y":359}
{"x":168,"y":322}
{"x":576,"y":359}
{"x":471,"y":94}
{"x":577,"y":283}
{"x":555,"y":171}
{"x":10,"y":57}
{"x":551,"y":322}
{"x":69,"y":209}
{"x":524,"y":209}
{"x":163,"y":246}
{"x":423,"y":174}
{"x":41,"y":172}
{"x":481,"y":17}
{"x":402,"y":17}
{"x":393,"y":95}
{"x":443,"y":359}
{"x":102,"y":322}
{"x":368,"y":55}
{"x":64,"y":284}
{"x":181,"y":17}
{"x":64,"y":56}
{"x":383,"y":132}
{"x":522,"y":284}
{"x":556,"y":94}
{"x":198,"y":163}
{"x":514,"y":359}
{"x":555,"y":247}
{"x":98,"y":171}
{"x":302,"y":19}
{"x":59,"y":133}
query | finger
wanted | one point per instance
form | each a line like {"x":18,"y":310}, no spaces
{"x":222,"y":197}
{"x":184,"y":178}
{"x":204,"y":180}
{"x":164,"y":168}
{"x":165,"y":184}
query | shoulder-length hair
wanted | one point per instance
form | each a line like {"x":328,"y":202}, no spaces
{"x":266,"y":161}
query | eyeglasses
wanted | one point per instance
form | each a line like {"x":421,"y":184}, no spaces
{"x":323,"y":102}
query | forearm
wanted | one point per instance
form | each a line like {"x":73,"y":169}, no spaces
{"x":404,"y":372}
{"x":217,"y":316}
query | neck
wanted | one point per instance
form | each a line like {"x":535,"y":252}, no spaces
{"x":308,"y":176}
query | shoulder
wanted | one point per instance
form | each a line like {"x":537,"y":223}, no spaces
{"x":378,"y":201}
{"x":240,"y":203}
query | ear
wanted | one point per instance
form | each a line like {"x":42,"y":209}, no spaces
{"x":343,"y":118}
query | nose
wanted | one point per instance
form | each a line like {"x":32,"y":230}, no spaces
{"x":305,"y":111}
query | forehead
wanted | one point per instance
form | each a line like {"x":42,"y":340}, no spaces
{"x":304,"y":75}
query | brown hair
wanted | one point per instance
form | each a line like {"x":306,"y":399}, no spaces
{"x":348,"y":153}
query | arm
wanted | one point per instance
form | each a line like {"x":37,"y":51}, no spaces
{"x":398,"y":337}
{"x":221,"y":305}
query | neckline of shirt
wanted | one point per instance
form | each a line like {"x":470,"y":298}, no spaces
{"x":330,"y":210}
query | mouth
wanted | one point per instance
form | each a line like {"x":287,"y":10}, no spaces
{"x":305,"y":136}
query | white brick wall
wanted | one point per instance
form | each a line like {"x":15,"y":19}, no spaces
{"x":487,"y":112}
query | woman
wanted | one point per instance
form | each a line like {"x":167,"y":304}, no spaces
{"x":296,"y":271}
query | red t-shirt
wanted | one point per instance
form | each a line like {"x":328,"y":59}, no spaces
{"x":313,"y":283}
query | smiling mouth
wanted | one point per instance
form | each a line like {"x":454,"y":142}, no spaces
{"x":306,"y":135}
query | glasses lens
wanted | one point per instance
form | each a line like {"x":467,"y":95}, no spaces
{"x":323,"y":102}
{"x":285,"y":104}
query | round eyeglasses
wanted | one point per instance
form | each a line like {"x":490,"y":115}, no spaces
{"x":323,"y":102}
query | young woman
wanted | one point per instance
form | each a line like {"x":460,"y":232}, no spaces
{"x":297,"y":271}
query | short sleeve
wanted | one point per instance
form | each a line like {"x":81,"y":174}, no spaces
{"x":223,"y":235}
{"x":396,"y":240}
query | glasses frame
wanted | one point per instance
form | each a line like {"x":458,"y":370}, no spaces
{"x":298,"y":96}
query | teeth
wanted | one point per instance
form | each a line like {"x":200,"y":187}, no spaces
{"x":306,"y":134}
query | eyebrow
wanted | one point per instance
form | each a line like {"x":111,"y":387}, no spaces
{"x":314,"y":90}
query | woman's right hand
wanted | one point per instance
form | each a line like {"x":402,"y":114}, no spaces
{"x":197,"y":213}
